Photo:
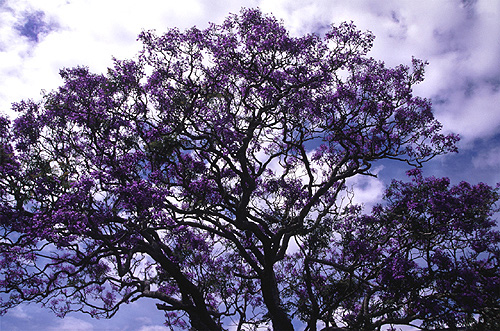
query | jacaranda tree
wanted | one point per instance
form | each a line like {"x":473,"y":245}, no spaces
{"x":209,"y":174}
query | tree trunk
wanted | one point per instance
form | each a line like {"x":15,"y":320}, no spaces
{"x":205,"y":324}
{"x":280,"y":319}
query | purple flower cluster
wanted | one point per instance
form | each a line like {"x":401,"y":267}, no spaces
{"x":431,"y":253}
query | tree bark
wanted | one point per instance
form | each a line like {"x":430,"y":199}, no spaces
{"x":270,"y":293}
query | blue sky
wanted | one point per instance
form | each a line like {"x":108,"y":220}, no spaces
{"x":459,"y":38}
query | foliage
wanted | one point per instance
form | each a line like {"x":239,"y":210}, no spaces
{"x":430,"y":254}
{"x":188,"y":175}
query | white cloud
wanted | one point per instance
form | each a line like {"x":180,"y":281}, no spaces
{"x":488,"y":159}
{"x":72,"y":324}
{"x":473,"y":116}
{"x":143,"y":319}
{"x":89,"y":33}
{"x":367,"y":190}
{"x":19,"y":312}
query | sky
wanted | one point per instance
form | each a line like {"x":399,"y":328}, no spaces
{"x":459,"y":38}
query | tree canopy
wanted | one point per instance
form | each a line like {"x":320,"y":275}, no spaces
{"x":209,"y":173}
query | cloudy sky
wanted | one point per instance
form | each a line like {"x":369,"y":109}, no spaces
{"x":459,"y":38}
